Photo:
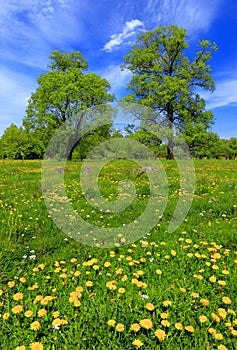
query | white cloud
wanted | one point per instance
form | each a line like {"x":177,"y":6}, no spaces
{"x":224,"y":95}
{"x":14,"y":95}
{"x":192,"y":14}
{"x":117,"y":78}
{"x":130,"y":29}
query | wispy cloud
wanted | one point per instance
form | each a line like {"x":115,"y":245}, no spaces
{"x":14,"y":95}
{"x":129,"y":30}
{"x":224,"y":95}
{"x":117,"y":78}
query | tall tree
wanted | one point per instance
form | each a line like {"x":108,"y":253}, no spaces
{"x":165,"y":79}
{"x":64,"y":92}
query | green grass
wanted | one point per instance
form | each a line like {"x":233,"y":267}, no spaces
{"x":186,"y":274}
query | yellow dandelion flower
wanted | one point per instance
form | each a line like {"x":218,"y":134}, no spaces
{"x":6,"y":315}
{"x":204,"y":302}
{"x":17,"y":309}
{"x":150,"y":306}
{"x":107,"y":264}
{"x":36,"y":346}
{"x":135,"y":327}
{"x":212,"y":279}
{"x":159,"y":272}
{"x":164,"y":315}
{"x":146,"y":323}
{"x":167,"y":303}
{"x":119,"y":327}
{"x":111,"y":323}
{"x":234,"y":332}
{"x":226,"y":300}
{"x":203,"y":318}
{"x":232,"y":312}
{"x":28,"y":313}
{"x":222,"y":313}
{"x":138,"y":343}
{"x":173,"y":252}
{"x":222,"y":283}
{"x":20,"y":347}
{"x":221,"y":347}
{"x":160,"y":334}
{"x":189,"y":328}
{"x":35,"y":325}
{"x":11,"y":284}
{"x":218,"y":336}
{"x":195,"y":295}
{"x":165,"y":323}
{"x":182,"y":290}
{"x":77,"y":303}
{"x":178,"y":325}
{"x":215,"y":317}
{"x":121,"y":290}
{"x":18,"y":296}
{"x":41,"y":313}
{"x":212,"y":331}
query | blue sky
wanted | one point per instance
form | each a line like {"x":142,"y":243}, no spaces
{"x":104,"y":30}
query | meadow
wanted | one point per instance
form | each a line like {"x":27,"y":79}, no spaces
{"x":164,"y":291}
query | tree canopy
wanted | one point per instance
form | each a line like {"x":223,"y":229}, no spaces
{"x":167,"y":80}
{"x":63,"y":92}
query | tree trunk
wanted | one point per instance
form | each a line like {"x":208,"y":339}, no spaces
{"x":170,"y":149}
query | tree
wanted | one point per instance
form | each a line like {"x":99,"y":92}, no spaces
{"x":166,"y":80}
{"x":64,"y":92}
{"x":15,"y":143}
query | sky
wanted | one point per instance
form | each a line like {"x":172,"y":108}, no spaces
{"x":103,"y":31}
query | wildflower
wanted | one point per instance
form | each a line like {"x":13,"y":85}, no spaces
{"x":159,"y":272}
{"x":183,"y":290}
{"x":18,"y":296}
{"x":6,"y":315}
{"x":167,"y":303}
{"x":222,"y":313}
{"x":21,"y":347}
{"x":226,"y":300}
{"x":107,"y":264}
{"x":212,"y":331}
{"x":144,"y":296}
{"x":17,"y":309}
{"x":111,"y":323}
{"x":121,"y":290}
{"x":165,"y":323}
{"x":203,"y":318}
{"x":41,"y":313}
{"x":35,"y":325}
{"x":178,"y":326}
{"x":56,"y":314}
{"x":36,"y":346}
{"x":150,"y":306}
{"x":195,"y":295}
{"x":234,"y":333}
{"x":11,"y":284}
{"x":138,"y":343}
{"x":212,"y":279}
{"x":28,"y":313}
{"x":146,"y":323}
{"x":221,"y":347}
{"x":164,"y":315}
{"x":119,"y":327}
{"x":215,"y":317}
{"x":135,"y":327}
{"x":160,"y":334}
{"x":218,"y":336}
{"x":22,"y":279}
{"x":189,"y":328}
{"x":204,"y":302}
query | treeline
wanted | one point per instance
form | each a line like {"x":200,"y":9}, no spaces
{"x":18,"y":143}
{"x":164,"y":79}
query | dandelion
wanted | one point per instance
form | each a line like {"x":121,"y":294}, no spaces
{"x":204,"y":302}
{"x":135,"y":327}
{"x":146,"y":323}
{"x":36,"y":346}
{"x":35,"y":325}
{"x":56,"y":314}
{"x":28,"y":313}
{"x":212,"y":279}
{"x":226,"y":300}
{"x":11,"y":284}
{"x":221,"y":347}
{"x":160,"y":334}
{"x":189,"y":328}
{"x":222,"y":313}
{"x":6,"y":315}
{"x":165,"y":323}
{"x":159,"y":272}
{"x":167,"y":303}
{"x":138,"y":343}
{"x":212,"y":331}
{"x":119,"y":327}
{"x":17,"y":309}
{"x":178,"y":326}
{"x":195,"y":295}
{"x":218,"y":336}
{"x":111,"y":323}
{"x":234,"y":333}
{"x":203,"y":318}
{"x":164,"y":315}
{"x":150,"y":306}
{"x":20,"y":347}
{"x":18,"y":296}
{"x":41,"y":313}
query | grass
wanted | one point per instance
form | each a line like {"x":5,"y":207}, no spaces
{"x":164,"y":291}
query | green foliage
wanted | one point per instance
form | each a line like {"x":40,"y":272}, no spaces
{"x":63,"y":92}
{"x":164,"y":77}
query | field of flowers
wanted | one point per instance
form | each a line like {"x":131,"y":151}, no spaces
{"x":165,"y":291}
